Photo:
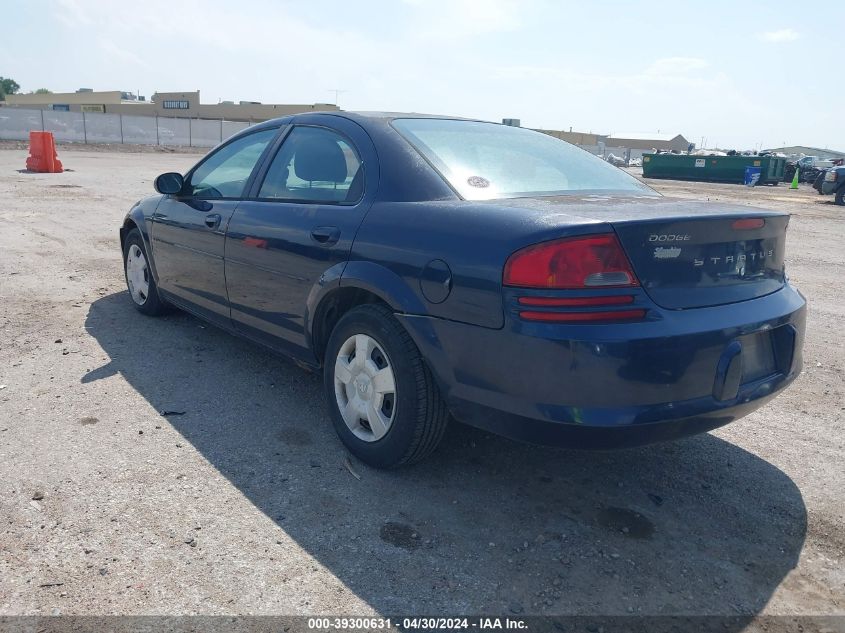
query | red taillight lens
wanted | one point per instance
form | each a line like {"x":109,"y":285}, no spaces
{"x":591,"y":261}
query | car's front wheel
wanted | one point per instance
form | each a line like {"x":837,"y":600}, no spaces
{"x":384,"y":402}
{"x":139,"y":279}
{"x":840,"y":196}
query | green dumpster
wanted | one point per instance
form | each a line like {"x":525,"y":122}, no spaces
{"x":712,"y":168}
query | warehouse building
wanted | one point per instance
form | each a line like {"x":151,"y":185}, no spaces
{"x":576,"y":138}
{"x":162,"y":104}
{"x":648,"y":141}
{"x":625,"y":146}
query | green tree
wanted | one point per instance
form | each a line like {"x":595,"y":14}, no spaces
{"x":8,"y":87}
{"x":43,"y":91}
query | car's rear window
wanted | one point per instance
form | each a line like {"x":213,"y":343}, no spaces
{"x":484,"y":161}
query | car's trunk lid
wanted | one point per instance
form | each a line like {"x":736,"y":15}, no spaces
{"x":688,"y":254}
{"x":706,"y":261}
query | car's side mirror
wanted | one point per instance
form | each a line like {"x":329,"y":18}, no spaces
{"x":170,"y":183}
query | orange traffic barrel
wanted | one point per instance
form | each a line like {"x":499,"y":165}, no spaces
{"x":42,"y":153}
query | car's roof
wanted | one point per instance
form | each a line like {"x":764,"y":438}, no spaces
{"x":400,"y":115}
{"x":368,"y":116}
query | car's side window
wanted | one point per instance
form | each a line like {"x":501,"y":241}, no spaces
{"x":224,"y":173}
{"x":314,"y":164}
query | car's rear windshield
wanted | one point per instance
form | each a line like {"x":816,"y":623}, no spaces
{"x":483,"y":161}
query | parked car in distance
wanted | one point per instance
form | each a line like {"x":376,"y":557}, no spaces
{"x":817,"y":183}
{"x":832,"y":181}
{"x":436,"y":268}
{"x":814,"y":162}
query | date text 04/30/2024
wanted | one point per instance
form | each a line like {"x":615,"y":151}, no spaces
{"x":411,"y":623}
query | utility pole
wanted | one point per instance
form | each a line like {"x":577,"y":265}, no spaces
{"x":336,"y":92}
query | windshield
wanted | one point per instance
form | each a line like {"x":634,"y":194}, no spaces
{"x":483,"y":161}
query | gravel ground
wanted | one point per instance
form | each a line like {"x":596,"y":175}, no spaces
{"x":245,"y":501}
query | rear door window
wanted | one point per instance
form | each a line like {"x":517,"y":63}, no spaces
{"x":315,"y":165}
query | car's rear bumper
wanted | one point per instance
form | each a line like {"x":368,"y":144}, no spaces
{"x":828,"y":187}
{"x":606,"y":386}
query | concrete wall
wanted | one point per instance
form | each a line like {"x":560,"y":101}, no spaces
{"x":92,"y":127}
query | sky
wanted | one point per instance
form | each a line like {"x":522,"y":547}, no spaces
{"x":738,"y":75}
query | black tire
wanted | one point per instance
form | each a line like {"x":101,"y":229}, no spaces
{"x":420,"y":415}
{"x":840,"y":197}
{"x":152,"y":304}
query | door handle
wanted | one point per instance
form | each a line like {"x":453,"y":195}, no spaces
{"x":212,"y":220}
{"x":326,"y":235}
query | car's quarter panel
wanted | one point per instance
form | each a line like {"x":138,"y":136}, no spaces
{"x":381,"y":281}
{"x":473,"y":240}
{"x":274,"y":263}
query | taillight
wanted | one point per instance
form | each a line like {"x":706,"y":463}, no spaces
{"x":591,"y":261}
{"x":588,"y":262}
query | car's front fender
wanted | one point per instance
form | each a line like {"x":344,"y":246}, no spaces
{"x":140,"y":217}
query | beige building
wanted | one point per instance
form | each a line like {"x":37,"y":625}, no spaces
{"x":576,"y":138}
{"x":45,"y":101}
{"x":637,"y":142}
{"x":164,"y":104}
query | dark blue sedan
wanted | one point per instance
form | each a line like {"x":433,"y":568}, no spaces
{"x":436,"y":267}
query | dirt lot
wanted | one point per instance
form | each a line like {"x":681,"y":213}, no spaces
{"x":244,"y":503}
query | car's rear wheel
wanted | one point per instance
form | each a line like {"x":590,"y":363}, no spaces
{"x":840,"y":196}
{"x":139,"y":278}
{"x":384,"y":402}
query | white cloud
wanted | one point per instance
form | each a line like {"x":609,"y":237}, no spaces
{"x":783,"y":35}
